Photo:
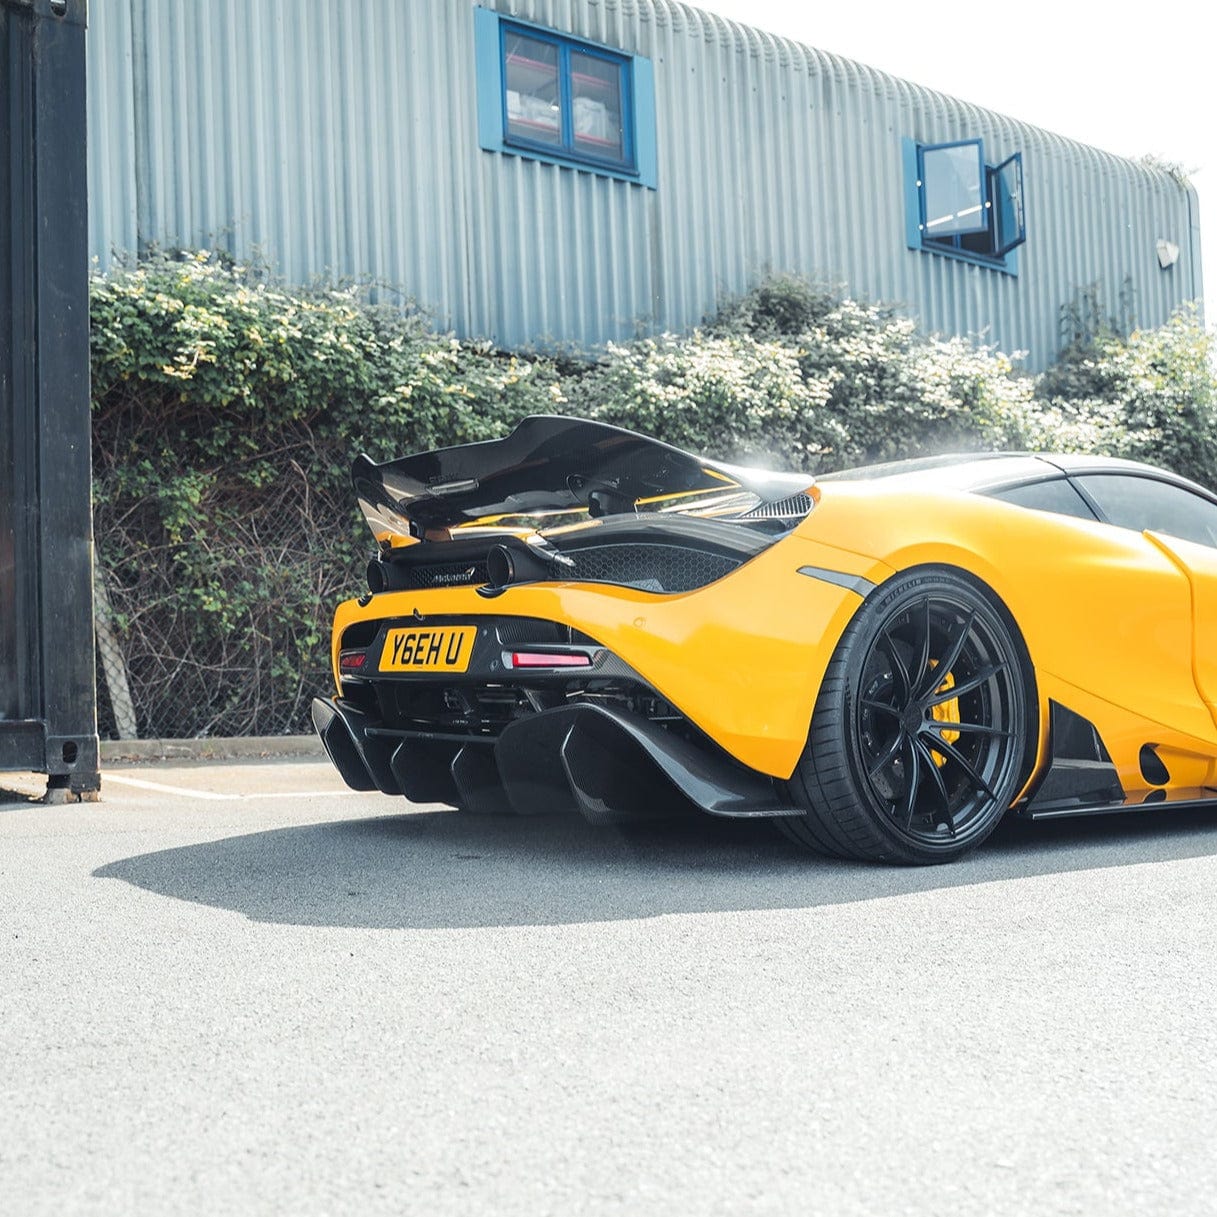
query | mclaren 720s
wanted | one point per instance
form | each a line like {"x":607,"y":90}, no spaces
{"x":885,"y":660}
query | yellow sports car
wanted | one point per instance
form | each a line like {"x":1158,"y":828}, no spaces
{"x":886,"y":660}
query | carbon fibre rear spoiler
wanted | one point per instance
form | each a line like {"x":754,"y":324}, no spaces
{"x":553,"y":473}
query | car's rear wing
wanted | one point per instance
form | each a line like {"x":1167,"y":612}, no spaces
{"x":554,"y":474}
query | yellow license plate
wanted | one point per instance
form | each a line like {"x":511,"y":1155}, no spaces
{"x":440,"y":649}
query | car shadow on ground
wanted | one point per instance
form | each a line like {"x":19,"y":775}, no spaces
{"x":446,"y":869}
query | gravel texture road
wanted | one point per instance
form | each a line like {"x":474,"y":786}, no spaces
{"x":240,"y":988}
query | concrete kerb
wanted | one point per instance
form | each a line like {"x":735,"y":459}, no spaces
{"x":237,"y":748}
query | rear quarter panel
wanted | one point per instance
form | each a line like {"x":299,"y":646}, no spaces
{"x":1101,"y":609}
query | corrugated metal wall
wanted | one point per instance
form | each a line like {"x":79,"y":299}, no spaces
{"x":339,"y":137}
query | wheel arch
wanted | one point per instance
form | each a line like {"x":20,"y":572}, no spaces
{"x":1037,"y":734}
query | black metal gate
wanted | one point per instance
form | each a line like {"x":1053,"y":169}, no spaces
{"x":48,"y":716}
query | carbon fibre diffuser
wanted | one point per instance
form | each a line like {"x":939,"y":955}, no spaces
{"x":606,"y":763}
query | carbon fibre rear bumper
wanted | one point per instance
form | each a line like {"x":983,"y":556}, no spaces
{"x":606,"y":763}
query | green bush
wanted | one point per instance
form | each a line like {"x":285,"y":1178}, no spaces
{"x":891,"y":392}
{"x":731,"y":396}
{"x":792,"y":374}
{"x":1151,"y":396}
{"x":780,"y":306}
{"x":227,"y":411}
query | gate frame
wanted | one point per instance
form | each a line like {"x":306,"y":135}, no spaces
{"x":48,"y":694}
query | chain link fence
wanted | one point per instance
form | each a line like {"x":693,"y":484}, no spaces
{"x":220,"y":631}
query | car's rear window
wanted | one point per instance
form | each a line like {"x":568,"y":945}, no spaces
{"x":1054,"y":494}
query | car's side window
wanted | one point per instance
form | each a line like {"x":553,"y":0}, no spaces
{"x":1146,"y":503}
{"x":1055,"y":495}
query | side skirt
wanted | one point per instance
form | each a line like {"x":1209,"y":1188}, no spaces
{"x":1183,"y":799}
{"x":1082,"y":781}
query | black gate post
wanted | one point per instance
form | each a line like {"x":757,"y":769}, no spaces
{"x":48,"y":706}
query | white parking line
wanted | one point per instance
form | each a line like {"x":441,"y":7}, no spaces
{"x":162,"y":788}
{"x":190,"y":793}
{"x":302,"y":794}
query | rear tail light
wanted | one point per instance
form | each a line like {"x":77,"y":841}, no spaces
{"x":544,"y":659}
{"x":352,"y":661}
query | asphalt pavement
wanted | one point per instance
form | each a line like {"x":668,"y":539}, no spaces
{"x":241,"y":988}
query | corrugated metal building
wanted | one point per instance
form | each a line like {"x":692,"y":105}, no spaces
{"x":580,"y":170}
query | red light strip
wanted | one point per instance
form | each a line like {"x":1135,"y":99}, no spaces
{"x":351,"y":659}
{"x":539,"y":659}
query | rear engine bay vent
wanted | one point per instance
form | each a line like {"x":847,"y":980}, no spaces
{"x":793,"y":508}
{"x":652,"y":568}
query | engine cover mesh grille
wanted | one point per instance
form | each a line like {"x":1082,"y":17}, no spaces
{"x":655,"y":568}
{"x":647,"y":566}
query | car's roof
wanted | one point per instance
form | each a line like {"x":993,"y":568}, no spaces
{"x":951,"y":471}
{"x":991,"y":470}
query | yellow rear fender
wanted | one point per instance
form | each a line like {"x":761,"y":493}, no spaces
{"x":742,"y":658}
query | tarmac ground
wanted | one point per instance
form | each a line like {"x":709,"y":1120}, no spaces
{"x":236,"y":986}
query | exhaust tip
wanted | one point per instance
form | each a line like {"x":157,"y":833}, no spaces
{"x":500,"y":567}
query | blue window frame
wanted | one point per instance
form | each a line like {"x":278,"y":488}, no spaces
{"x":551,"y":97}
{"x":957,"y":204}
{"x":1009,"y":221}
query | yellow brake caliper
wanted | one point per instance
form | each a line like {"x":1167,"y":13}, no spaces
{"x":945,"y":712}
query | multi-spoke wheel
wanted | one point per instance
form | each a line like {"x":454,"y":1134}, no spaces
{"x":921,"y":732}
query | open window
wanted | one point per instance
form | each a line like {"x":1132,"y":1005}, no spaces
{"x":959,"y":205}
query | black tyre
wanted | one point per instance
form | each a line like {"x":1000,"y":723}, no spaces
{"x":923,"y":729}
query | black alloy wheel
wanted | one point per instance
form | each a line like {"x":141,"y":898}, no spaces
{"x":923,"y":730}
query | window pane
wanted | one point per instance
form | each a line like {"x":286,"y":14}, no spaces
{"x":596,"y":94}
{"x":953,"y":188}
{"x":1145,"y":503}
{"x":533,"y":95}
{"x":1009,"y":223}
{"x":1057,"y":496}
